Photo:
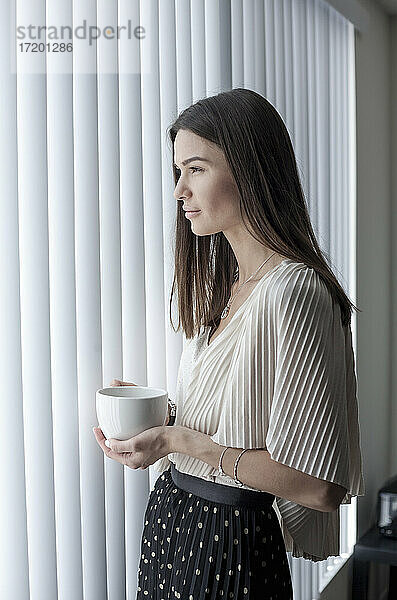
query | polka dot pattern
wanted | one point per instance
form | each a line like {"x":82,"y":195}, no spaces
{"x":201,"y":550}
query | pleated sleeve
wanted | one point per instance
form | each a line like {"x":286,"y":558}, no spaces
{"x":313,"y":418}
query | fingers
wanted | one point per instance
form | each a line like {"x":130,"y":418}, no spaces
{"x":100,"y":438}
{"x":116,"y":382}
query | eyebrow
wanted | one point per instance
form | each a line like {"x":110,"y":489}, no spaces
{"x":188,"y":160}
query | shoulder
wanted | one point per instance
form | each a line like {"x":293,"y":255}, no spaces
{"x":300,"y":290}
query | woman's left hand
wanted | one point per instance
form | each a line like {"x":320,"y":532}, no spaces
{"x":140,"y":451}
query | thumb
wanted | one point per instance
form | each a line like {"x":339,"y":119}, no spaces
{"x":117,"y":445}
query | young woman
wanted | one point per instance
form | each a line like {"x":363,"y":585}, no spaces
{"x":266,"y":442}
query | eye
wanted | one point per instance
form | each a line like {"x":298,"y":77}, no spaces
{"x":193,"y":169}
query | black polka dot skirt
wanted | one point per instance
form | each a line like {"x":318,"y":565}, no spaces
{"x":205,"y":541}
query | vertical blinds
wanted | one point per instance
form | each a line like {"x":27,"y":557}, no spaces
{"x":87,"y":221}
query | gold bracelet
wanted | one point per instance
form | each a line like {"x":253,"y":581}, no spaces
{"x":222,"y":472}
{"x":240,"y":483}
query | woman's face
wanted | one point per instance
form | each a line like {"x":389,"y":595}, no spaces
{"x":205,"y":185}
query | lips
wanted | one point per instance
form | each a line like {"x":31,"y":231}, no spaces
{"x":191,"y":214}
{"x":191,"y":209}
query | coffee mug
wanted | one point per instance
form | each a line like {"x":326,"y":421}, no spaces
{"x":125,"y":411}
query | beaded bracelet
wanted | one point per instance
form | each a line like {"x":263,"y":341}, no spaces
{"x":222,"y":472}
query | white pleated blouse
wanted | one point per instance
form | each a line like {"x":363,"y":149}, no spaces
{"x":280,"y":376}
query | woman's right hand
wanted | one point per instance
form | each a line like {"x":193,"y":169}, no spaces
{"x":117,"y":382}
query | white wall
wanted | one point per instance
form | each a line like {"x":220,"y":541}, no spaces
{"x":376,"y":51}
{"x":393,"y":401}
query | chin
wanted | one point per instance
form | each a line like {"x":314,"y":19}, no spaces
{"x":201,"y":231}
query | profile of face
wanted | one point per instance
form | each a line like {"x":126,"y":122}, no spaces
{"x":206,"y":185}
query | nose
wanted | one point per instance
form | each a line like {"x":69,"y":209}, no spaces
{"x":178,"y":190}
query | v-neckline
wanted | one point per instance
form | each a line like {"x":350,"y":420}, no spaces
{"x":209,"y":345}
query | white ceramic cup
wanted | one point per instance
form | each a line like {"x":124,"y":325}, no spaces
{"x":125,"y":411}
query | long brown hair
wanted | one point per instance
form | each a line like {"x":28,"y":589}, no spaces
{"x":259,"y":152}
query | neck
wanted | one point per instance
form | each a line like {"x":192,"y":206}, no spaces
{"x":244,"y":274}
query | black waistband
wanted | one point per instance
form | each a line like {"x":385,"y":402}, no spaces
{"x":216,"y":492}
